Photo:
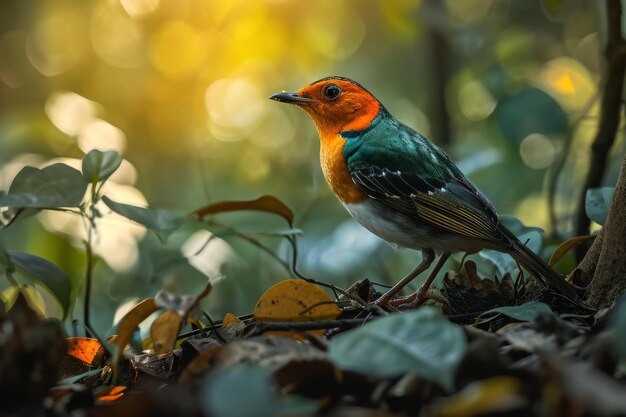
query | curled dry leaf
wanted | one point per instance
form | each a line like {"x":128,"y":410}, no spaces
{"x":295,"y":300}
{"x":129,"y":324}
{"x":164,"y":331}
{"x":266,"y":203}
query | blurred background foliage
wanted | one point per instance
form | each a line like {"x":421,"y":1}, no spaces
{"x":180,"y":88}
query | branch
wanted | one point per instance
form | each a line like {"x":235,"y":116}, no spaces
{"x":615,"y":55}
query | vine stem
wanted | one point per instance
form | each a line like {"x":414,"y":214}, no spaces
{"x":91,"y":224}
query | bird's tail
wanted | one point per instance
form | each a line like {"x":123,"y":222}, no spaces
{"x":539,"y":269}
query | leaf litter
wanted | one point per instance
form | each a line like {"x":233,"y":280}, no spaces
{"x":500,"y":347}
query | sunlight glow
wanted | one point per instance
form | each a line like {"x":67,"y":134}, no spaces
{"x":177,"y":49}
{"x":569,"y":82}
{"x":207,"y":253}
{"x":138,"y":8}
{"x":233,"y":103}
{"x":115,"y":37}
{"x":52,"y":46}
{"x":116,"y":237}
{"x":70,"y":112}
{"x":101,"y":135}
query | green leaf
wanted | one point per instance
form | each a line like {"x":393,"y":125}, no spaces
{"x":250,"y":391}
{"x":529,"y":111}
{"x":492,"y":263}
{"x":100,"y":165}
{"x":526,"y":312}
{"x":46,"y":273}
{"x":74,"y":379}
{"x":421,"y":343}
{"x":160,"y":221}
{"x":5,"y":260}
{"x":598,"y":203}
{"x":57,"y":185}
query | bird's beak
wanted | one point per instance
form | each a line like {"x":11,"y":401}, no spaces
{"x":292,"y":98}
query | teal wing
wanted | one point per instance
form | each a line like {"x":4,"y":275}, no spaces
{"x":405,"y":171}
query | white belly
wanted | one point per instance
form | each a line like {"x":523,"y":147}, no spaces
{"x":406,"y":231}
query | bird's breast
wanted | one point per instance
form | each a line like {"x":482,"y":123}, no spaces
{"x":336,"y":172}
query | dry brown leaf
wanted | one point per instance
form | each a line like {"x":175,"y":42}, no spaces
{"x":84,"y":349}
{"x":129,"y":324}
{"x":267,"y":203}
{"x":566,"y":247}
{"x":164,"y":331}
{"x":230,"y":318}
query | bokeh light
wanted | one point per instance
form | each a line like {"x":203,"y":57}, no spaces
{"x":537,"y":151}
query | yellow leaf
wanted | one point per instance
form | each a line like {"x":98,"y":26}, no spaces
{"x":230,"y":318}
{"x":491,"y":395}
{"x":129,"y":324}
{"x":164,"y":331}
{"x":566,"y":247}
{"x":266,"y":203}
{"x":295,"y":300}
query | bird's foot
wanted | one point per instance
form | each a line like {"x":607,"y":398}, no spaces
{"x":422,"y":296}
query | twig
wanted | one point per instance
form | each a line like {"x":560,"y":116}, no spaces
{"x":302,"y":326}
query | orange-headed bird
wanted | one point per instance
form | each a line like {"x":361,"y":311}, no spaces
{"x":402,"y":187}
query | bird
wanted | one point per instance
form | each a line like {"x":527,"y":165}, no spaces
{"x":403,"y":188}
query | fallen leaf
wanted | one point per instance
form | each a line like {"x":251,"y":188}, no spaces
{"x":296,"y":300}
{"x":129,"y":323}
{"x":164,"y":331}
{"x":84,"y":348}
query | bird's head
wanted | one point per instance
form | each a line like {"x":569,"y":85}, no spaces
{"x":336,"y":104}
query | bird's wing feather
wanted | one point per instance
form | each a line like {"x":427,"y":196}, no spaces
{"x":404,"y":170}
{"x":455,"y":206}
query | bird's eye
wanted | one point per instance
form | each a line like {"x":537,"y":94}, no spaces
{"x":331,"y":91}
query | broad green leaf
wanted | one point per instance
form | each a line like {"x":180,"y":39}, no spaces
{"x":529,"y":111}
{"x":266,"y":203}
{"x":100,"y":165}
{"x":492,"y":263}
{"x":618,"y":322}
{"x":57,"y":185}
{"x":250,"y":391}
{"x":598,"y":203}
{"x":160,"y":221}
{"x":518,"y":228}
{"x":421,"y":343}
{"x":526,"y":312}
{"x":5,"y":260}
{"x":45,"y":273}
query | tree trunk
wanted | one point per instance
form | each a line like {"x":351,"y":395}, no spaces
{"x":605,"y":261}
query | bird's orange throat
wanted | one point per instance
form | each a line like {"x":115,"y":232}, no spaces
{"x":336,"y":172}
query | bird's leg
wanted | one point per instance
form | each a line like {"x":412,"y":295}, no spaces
{"x":428,"y":256}
{"x":422,"y":294}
